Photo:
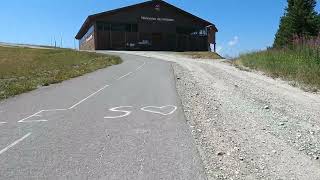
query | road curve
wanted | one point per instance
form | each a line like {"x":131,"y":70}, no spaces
{"x":123,"y":122}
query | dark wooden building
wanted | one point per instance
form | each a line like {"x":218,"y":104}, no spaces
{"x":152,"y":25}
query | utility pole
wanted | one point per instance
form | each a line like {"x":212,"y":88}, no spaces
{"x":74,"y":44}
{"x":61,"y":41}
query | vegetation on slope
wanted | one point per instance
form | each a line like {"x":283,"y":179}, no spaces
{"x":295,"y":54}
{"x":25,"y":69}
{"x":301,"y":64}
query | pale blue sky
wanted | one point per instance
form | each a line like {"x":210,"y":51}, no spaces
{"x":244,"y":25}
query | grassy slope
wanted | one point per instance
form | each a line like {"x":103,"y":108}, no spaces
{"x":25,"y":69}
{"x":300,"y":65}
{"x":201,"y":55}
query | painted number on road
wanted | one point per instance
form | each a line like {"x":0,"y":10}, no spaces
{"x":118,"y":109}
{"x":163,"y":110}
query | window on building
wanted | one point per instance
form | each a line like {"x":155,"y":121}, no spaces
{"x":185,"y":30}
{"x":192,"y":31}
{"x":118,"y":27}
{"x":100,"y":26}
{"x":134,"y":28}
{"x":203,"y":32}
{"x":128,"y":27}
{"x":104,"y":26}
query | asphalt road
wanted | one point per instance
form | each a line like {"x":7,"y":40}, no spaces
{"x":123,"y":122}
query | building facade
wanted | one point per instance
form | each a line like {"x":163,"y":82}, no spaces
{"x":152,"y":25}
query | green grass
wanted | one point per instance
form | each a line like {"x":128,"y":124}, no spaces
{"x":201,"y":55}
{"x":25,"y":69}
{"x":300,"y":65}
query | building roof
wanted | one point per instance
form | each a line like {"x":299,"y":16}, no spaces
{"x":90,"y":19}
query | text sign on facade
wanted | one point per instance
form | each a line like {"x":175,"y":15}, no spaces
{"x":157,"y":19}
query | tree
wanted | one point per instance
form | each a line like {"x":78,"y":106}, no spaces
{"x":300,"y":19}
{"x":319,"y":23}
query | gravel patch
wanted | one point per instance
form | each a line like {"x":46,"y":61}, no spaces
{"x":239,"y":136}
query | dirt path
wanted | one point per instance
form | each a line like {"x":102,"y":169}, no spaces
{"x":246,"y":125}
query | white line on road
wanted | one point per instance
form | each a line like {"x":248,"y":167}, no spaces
{"x":75,"y":105}
{"x":33,"y":115}
{"x":88,"y":97}
{"x":144,"y":63}
{"x":124,"y":76}
{"x":51,"y":110}
{"x":38,"y":115}
{"x":3,"y":123}
{"x":32,"y":121}
{"x":14,"y":143}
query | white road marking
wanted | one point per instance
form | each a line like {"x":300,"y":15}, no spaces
{"x":75,"y":105}
{"x":126,"y":113}
{"x":32,"y":121}
{"x":144,"y":63}
{"x":33,"y":115}
{"x":14,"y":143}
{"x":88,"y":97}
{"x":158,"y":110}
{"x":124,"y":76}
{"x":3,"y":123}
{"x":25,"y":120}
{"x":51,"y":110}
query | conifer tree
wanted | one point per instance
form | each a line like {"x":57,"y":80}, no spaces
{"x":300,"y":19}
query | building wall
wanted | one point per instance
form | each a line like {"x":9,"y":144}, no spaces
{"x":159,"y":41}
{"x":157,"y":29}
{"x":88,"y":45}
{"x":88,"y":40}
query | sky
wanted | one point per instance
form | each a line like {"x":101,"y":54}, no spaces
{"x":244,"y":25}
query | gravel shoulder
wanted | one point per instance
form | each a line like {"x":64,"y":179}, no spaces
{"x":246,"y":125}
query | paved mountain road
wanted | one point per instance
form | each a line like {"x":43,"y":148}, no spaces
{"x":123,"y":122}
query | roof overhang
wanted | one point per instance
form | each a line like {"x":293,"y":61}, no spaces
{"x":92,"y":18}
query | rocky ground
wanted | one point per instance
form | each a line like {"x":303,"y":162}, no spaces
{"x":246,"y":125}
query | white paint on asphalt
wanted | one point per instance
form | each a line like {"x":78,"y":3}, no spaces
{"x":33,"y":115}
{"x":163,"y":110}
{"x":51,"y":110}
{"x":115,"y":109}
{"x":124,"y":76}
{"x":2,"y":123}
{"x":88,"y":97}
{"x":32,"y":121}
{"x":25,"y":120}
{"x":14,"y":143}
{"x":144,"y":63}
